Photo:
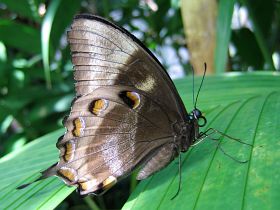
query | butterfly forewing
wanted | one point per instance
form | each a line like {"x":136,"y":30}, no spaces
{"x":110,"y":50}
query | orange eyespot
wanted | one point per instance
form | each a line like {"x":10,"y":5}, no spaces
{"x":132,"y":99}
{"x":69,"y":151}
{"x":86,"y":185}
{"x":79,"y":125}
{"x":109,"y":182}
{"x":68,"y":174}
{"x":98,"y":106}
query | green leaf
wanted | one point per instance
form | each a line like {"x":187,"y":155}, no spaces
{"x":260,"y":28}
{"x":3,"y":53}
{"x":49,"y":106}
{"x":27,"y":8}
{"x":245,"y":43}
{"x":62,"y":20}
{"x":242,"y":105}
{"x":225,"y":11}
{"x":23,"y":166}
{"x":45,"y":38}
{"x":53,"y":26}
{"x":19,"y":36}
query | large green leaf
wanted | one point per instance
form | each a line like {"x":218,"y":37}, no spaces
{"x":242,"y":105}
{"x":23,"y":166}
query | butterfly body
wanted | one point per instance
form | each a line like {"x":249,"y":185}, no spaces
{"x":127,"y":113}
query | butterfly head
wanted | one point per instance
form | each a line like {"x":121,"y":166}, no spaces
{"x":197,"y":116}
{"x":189,"y":131}
{"x":195,"y":120}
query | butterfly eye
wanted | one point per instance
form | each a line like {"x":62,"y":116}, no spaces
{"x":197,"y":113}
{"x":202,"y":121}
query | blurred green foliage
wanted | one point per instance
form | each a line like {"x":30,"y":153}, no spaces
{"x":36,"y":86}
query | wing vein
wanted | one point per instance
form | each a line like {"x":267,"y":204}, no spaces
{"x":91,"y":31}
{"x":148,"y":142}
{"x":97,"y":46}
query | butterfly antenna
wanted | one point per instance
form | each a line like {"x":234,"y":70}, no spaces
{"x":193,"y":85}
{"x":205,"y":67}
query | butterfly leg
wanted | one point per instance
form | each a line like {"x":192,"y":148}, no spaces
{"x":208,"y":134}
{"x":179,"y":172}
{"x":204,"y":135}
{"x":211,"y":131}
{"x":201,"y":137}
{"x":223,"y":151}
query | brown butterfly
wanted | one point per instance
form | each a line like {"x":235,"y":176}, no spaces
{"x":127,"y":112}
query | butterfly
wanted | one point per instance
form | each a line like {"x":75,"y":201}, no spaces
{"x":127,"y":113}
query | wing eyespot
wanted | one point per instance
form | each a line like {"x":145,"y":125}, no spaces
{"x":105,"y":185}
{"x":69,"y":149}
{"x":85,"y":184}
{"x":79,"y":126}
{"x":131,"y":98}
{"x":69,"y":174}
{"x":94,"y":186}
{"x":109,"y":182}
{"x":98,"y":106}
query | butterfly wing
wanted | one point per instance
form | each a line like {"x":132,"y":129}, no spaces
{"x":108,"y":136}
{"x":124,"y":112}
{"x":105,"y":54}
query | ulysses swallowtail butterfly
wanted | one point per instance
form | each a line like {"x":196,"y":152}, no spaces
{"x":127,"y":112}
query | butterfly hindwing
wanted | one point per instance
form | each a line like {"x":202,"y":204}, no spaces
{"x":107,"y":140}
{"x":158,"y":160}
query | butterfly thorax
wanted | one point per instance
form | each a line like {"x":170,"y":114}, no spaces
{"x":187,"y":132}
